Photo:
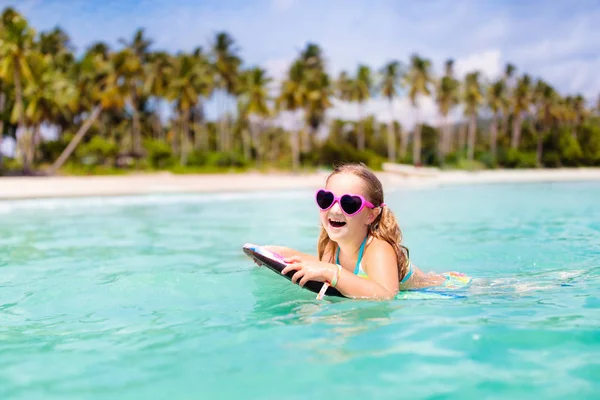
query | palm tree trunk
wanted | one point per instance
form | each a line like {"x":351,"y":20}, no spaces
{"x":403,"y":143}
{"x":35,"y":139}
{"x":516,"y":132}
{"x":494,"y":137}
{"x":223,"y":122}
{"x":540,"y":148}
{"x":305,"y":137}
{"x":203,"y":140}
{"x":462,"y":139}
{"x":2,"y":104}
{"x":417,"y":140}
{"x":361,"y":128}
{"x":256,"y":142}
{"x":185,"y":115}
{"x":135,"y":127}
{"x":472,"y":134}
{"x":448,"y":136}
{"x":295,"y":150}
{"x":21,"y":113}
{"x":156,"y":125}
{"x":391,"y":137}
{"x":504,"y":127}
{"x":246,"y":144}
{"x":441,"y":140}
{"x":76,"y":139}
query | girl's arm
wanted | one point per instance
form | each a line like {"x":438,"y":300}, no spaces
{"x":382,"y":282}
{"x":358,"y":287}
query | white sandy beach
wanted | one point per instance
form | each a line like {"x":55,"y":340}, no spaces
{"x":48,"y":187}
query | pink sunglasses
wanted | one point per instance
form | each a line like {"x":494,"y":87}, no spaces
{"x":350,"y":204}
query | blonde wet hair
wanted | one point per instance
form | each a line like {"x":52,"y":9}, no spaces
{"x":384,"y":227}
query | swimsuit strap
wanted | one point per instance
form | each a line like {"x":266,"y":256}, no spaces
{"x":409,"y":273}
{"x":360,"y":255}
{"x":410,"y":266}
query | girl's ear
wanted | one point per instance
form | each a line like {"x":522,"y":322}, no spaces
{"x":373,"y":215}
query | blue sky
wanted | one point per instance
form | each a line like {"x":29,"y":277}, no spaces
{"x":553,"y":39}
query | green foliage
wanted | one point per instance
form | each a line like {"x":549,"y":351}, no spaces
{"x":216,"y":159}
{"x":50,"y":150}
{"x":332,"y":153}
{"x":98,"y":151}
{"x":570,"y":151}
{"x":9,"y":165}
{"x":159,"y":153}
{"x":467,"y":165}
{"x":589,"y":136}
{"x":429,"y":148}
{"x":517,"y":159}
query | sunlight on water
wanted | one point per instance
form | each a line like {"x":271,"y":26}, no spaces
{"x":152,"y":297}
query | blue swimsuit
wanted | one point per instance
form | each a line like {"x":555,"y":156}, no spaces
{"x":358,"y":270}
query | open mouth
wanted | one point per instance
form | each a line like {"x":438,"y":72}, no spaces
{"x":336,"y":223}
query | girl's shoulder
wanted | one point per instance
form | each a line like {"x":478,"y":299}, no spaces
{"x":377,"y":244}
{"x":380,"y":259}
{"x":377,"y":248}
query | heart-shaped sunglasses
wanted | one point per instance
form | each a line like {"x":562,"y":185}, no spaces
{"x":350,"y":204}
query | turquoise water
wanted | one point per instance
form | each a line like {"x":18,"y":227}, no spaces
{"x":152,"y":297}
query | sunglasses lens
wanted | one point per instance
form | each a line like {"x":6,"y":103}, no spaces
{"x":350,"y":204}
{"x":324,"y":199}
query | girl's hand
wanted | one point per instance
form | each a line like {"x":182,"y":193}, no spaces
{"x":308,"y":269}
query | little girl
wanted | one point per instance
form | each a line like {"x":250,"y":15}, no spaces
{"x":359,"y":248}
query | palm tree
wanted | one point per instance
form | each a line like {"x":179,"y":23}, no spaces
{"x":545,"y":99}
{"x":190,"y":79}
{"x":496,"y":100}
{"x":129,"y":75}
{"x":580,"y":112}
{"x":50,"y":95}
{"x":343,"y":87}
{"x":292,"y":97}
{"x":362,"y":92}
{"x":16,"y":49}
{"x":473,"y":98}
{"x":226,"y":64}
{"x":317,"y":88}
{"x":157,"y":71}
{"x":129,"y":64}
{"x":254,"y":84}
{"x":57,"y":44}
{"x":419,"y":80}
{"x":98,"y":90}
{"x":507,"y":78}
{"x":521,"y":101}
{"x":391,"y":74}
{"x":447,"y":99}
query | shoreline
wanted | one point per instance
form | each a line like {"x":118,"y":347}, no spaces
{"x":20,"y":188}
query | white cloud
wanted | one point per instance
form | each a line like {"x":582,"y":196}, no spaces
{"x":282,"y":5}
{"x":488,"y":63}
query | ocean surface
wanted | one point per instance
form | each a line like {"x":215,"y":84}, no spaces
{"x":151,"y":297}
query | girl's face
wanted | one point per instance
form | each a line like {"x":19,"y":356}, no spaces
{"x":339,"y":225}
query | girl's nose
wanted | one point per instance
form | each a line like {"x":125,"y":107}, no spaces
{"x":336,"y":207}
